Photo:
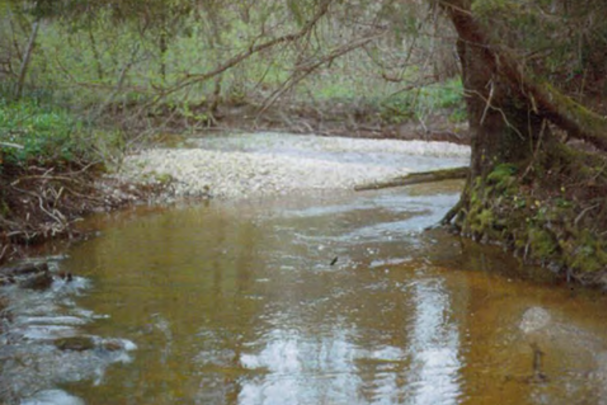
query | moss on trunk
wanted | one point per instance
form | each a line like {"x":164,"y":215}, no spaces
{"x":553,"y":215}
{"x":527,"y":190}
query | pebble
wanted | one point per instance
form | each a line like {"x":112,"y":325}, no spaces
{"x":242,"y":166}
{"x":534,"y":319}
{"x":75,"y":343}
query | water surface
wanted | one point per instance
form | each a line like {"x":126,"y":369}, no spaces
{"x":331,"y":299}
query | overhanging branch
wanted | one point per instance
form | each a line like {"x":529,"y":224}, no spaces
{"x":189,"y":80}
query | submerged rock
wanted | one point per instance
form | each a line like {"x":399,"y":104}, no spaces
{"x":114,"y":345}
{"x":42,"y":345}
{"x":53,"y":397}
{"x":534,"y":319}
{"x":38,"y":281}
{"x":75,"y":343}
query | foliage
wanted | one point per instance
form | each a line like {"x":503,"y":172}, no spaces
{"x":561,"y":40}
{"x":402,"y":106}
{"x":125,"y":54}
{"x":446,"y":97}
{"x":32,"y":133}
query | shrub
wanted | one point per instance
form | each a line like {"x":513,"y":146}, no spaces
{"x":31,"y":133}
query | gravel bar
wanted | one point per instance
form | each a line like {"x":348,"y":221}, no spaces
{"x":245,"y":165}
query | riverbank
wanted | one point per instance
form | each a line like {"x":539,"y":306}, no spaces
{"x":42,"y":203}
{"x":46,"y":202}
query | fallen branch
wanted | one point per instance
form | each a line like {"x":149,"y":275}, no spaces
{"x":417,"y":178}
{"x":11,"y":145}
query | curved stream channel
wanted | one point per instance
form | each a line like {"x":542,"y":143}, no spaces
{"x":325,"y":298}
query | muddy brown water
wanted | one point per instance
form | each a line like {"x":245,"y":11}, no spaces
{"x":333,"y":298}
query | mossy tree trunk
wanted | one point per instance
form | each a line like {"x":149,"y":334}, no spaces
{"x":508,"y":108}
{"x":505,"y":128}
{"x":528,"y":189}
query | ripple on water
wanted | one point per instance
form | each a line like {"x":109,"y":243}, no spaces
{"x":52,"y":397}
{"x":239,"y":304}
{"x":41,"y":346}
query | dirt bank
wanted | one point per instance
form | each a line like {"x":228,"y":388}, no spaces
{"x":40,"y":203}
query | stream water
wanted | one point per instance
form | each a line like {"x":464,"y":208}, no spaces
{"x":333,"y":298}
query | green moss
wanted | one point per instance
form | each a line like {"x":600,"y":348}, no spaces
{"x":589,"y":253}
{"x":591,"y":123}
{"x":502,"y":172}
{"x":502,"y":177}
{"x":164,"y":178}
{"x":480,"y":221}
{"x":542,"y":224}
{"x":161,"y":178}
{"x":543,"y":244}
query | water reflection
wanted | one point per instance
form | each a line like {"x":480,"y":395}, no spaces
{"x":301,"y":370}
{"x":434,"y":346}
{"x":239,"y":304}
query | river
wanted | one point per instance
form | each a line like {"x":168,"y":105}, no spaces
{"x":326,"y":297}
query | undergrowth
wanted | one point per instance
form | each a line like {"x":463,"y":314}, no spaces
{"x":444,"y":99}
{"x":558,"y":226}
{"x":34,"y":133}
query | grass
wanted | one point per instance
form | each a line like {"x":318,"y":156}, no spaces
{"x":442,"y":98}
{"x":447,"y":97}
{"x":34,"y":133}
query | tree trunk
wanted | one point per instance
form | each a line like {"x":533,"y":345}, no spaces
{"x":163,"y":46}
{"x":508,"y":108}
{"x":505,"y":126}
{"x":95,"y":53}
{"x":26,"y":60}
{"x":527,"y":189}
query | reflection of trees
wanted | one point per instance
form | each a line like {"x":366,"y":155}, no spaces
{"x":241,"y":327}
{"x":188,"y":270}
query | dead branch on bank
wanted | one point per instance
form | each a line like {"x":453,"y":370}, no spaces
{"x":40,"y":204}
{"x":417,"y":178}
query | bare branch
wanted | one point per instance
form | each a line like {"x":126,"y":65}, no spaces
{"x":252,"y":50}
{"x":304,"y":70}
